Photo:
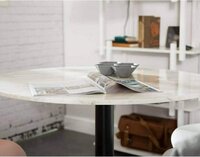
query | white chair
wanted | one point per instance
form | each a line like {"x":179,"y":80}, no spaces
{"x":185,"y":141}
{"x":9,"y":148}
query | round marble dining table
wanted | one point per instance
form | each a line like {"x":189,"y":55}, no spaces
{"x":173,"y":86}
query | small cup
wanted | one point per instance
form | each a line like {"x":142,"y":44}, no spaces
{"x":105,"y":68}
{"x":108,"y":62}
{"x":126,"y":64}
{"x":124,"y":70}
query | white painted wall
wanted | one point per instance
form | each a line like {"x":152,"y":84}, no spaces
{"x":31,"y":36}
{"x":82,"y":43}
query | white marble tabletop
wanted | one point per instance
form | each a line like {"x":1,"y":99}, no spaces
{"x":174,"y":86}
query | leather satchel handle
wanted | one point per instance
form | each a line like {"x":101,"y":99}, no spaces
{"x":151,"y":135}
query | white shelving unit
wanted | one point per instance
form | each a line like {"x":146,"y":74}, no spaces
{"x":120,"y":148}
{"x":161,"y":50}
{"x":108,"y":50}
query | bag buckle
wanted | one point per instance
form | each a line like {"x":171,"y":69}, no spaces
{"x":127,"y":139}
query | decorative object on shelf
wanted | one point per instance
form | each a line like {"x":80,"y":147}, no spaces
{"x":149,"y":31}
{"x":172,"y":35}
{"x":146,"y":132}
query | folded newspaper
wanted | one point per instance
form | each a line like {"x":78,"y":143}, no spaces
{"x":93,"y":83}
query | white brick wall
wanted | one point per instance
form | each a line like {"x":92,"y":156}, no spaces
{"x":31,"y":36}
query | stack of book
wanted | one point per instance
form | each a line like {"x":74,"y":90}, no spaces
{"x":125,"y":41}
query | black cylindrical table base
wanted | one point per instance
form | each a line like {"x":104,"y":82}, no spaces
{"x":104,"y":130}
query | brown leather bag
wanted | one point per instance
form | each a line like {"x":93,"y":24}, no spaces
{"x":146,"y":132}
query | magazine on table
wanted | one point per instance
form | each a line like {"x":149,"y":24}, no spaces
{"x":134,"y":85}
{"x":93,"y":83}
{"x":47,"y":89}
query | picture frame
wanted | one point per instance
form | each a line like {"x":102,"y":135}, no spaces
{"x":172,"y":35}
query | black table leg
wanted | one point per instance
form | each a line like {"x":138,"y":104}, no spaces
{"x":104,"y":130}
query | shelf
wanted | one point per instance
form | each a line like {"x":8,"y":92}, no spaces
{"x":161,"y":50}
{"x":120,"y":148}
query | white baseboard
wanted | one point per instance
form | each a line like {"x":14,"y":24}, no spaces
{"x":80,"y":124}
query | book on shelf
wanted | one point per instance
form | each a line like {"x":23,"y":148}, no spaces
{"x":128,"y":44}
{"x":130,"y":39}
{"x":149,"y":31}
{"x":93,"y":83}
{"x":124,"y":39}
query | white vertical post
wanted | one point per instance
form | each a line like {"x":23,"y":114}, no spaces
{"x":195,"y":23}
{"x":172,"y":109}
{"x":192,"y":114}
{"x":172,"y":58}
{"x":108,"y":50}
{"x":182,"y":39}
{"x":180,"y":118}
{"x":101,"y":27}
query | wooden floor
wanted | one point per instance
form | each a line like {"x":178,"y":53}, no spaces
{"x":62,"y":143}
